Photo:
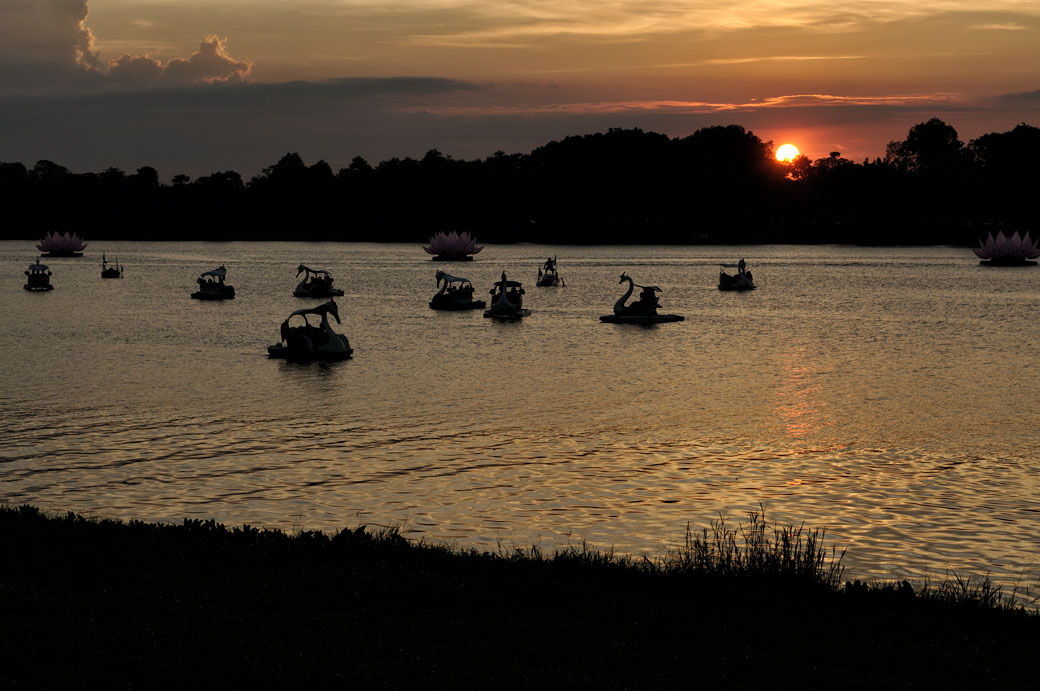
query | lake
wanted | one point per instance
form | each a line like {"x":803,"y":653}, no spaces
{"x":886,"y":394}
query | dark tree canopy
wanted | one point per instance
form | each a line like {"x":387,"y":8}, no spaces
{"x":719,"y":184}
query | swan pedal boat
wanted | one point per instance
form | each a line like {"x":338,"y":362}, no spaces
{"x":507,"y":301}
{"x":455,"y":294}
{"x":642,"y":311}
{"x":305,"y":342}
{"x":316,"y":283}
{"x":212,"y":286}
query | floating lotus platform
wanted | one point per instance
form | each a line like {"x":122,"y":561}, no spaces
{"x":1016,"y":250}
{"x":54,"y":245}
{"x":452,"y":247}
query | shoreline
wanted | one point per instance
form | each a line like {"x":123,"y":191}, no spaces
{"x":199,"y":603}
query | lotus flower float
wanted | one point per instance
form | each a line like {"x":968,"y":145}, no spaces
{"x":66,"y":245}
{"x":1007,"y":251}
{"x":453,"y":247}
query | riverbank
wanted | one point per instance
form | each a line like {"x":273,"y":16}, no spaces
{"x":148,"y":605}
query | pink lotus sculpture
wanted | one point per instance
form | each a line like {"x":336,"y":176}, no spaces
{"x":453,"y":247}
{"x":1007,"y":251}
{"x":66,"y":245}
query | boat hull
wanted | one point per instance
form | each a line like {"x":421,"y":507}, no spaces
{"x":227,"y":294}
{"x":281,"y":352}
{"x":333,"y":293}
{"x":641,"y":318}
{"x":458,"y":306}
{"x":38,"y":289}
{"x":508,"y":316}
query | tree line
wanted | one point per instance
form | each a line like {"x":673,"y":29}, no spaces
{"x":718,"y":185}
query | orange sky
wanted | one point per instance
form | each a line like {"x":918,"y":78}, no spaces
{"x":828,"y":76}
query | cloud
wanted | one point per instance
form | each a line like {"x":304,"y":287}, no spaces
{"x":210,"y":64}
{"x":943,"y":100}
{"x":46,"y":47}
{"x":45,"y":42}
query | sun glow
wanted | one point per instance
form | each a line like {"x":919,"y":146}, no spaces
{"x":787,"y":152}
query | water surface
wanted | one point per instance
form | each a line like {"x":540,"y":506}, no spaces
{"x":885,"y":393}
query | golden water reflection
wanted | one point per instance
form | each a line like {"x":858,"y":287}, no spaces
{"x":799,"y":406}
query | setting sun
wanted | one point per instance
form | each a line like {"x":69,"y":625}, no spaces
{"x":787,"y":152}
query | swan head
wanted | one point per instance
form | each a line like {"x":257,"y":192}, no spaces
{"x":624,"y":277}
{"x":333,"y":309}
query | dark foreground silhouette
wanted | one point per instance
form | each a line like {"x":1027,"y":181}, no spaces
{"x":202,"y":606}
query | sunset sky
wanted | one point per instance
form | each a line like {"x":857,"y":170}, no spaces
{"x":195,"y":86}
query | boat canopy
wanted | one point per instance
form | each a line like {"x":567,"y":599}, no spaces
{"x":453,"y":279}
{"x":216,"y":273}
{"x":321,"y":310}
{"x":37,"y":267}
{"x":510,"y":284}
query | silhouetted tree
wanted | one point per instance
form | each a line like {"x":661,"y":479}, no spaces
{"x":931,"y":148}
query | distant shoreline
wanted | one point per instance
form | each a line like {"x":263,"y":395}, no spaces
{"x":235,"y":238}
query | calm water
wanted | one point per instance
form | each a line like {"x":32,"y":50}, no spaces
{"x":885,"y":393}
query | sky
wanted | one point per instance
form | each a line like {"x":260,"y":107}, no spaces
{"x":199,"y":86}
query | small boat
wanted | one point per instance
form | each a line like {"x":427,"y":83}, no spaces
{"x":548,"y":276}
{"x":305,"y":341}
{"x":38,"y":277}
{"x":212,"y":286}
{"x":643,"y":310}
{"x":316,"y":283}
{"x":114,"y":271}
{"x":507,"y":301}
{"x":456,"y":293}
{"x":740,"y":281}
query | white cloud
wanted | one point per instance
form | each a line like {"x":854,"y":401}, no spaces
{"x":211,"y":63}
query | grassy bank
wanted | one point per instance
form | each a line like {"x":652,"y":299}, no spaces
{"x":86,"y":602}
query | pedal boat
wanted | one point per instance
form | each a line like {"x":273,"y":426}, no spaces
{"x":548,"y":276}
{"x":642,"y":311}
{"x":212,"y":286}
{"x":316,"y":283}
{"x":507,"y":301}
{"x":740,"y":281}
{"x":113,"y":271}
{"x":38,"y":277}
{"x":456,"y":293}
{"x":304,"y":341}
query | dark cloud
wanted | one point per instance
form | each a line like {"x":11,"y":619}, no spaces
{"x":245,"y":127}
{"x":46,"y":47}
{"x":1024,"y":98}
